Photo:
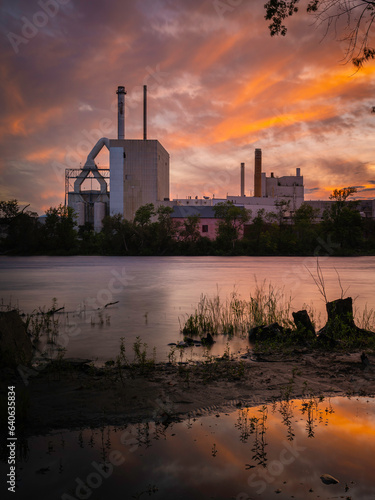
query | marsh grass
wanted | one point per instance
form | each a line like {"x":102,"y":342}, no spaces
{"x":365,"y":319}
{"x":235,"y":316}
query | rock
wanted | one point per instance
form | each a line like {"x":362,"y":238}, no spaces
{"x":328,"y":479}
{"x":266,"y":332}
{"x":15,"y":344}
{"x":303,"y":322}
{"x":364,"y":360}
{"x":76,"y":362}
{"x":182,"y":344}
{"x":208,"y":340}
{"x":172,"y":343}
{"x":254,"y":332}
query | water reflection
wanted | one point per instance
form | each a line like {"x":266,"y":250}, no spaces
{"x":247,"y":453}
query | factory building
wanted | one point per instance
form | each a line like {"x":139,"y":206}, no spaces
{"x":138,"y":174}
{"x":267,"y":190}
{"x":207,"y":223}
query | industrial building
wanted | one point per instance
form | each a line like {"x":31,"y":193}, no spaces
{"x":138,"y":174}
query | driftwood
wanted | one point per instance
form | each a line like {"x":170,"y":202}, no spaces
{"x":111,"y":303}
{"x":53,"y":311}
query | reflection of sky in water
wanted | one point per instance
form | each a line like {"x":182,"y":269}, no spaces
{"x":158,"y":290}
{"x":214,"y":457}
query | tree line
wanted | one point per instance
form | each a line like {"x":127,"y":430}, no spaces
{"x":342,"y":231}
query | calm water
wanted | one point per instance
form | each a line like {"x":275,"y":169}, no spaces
{"x":276,"y":451}
{"x":154,"y":292}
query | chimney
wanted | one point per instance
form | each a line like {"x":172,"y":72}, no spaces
{"x":242,"y":179}
{"x":144,"y":112}
{"x":121,"y":112}
{"x":258,"y":174}
{"x":298,"y":172}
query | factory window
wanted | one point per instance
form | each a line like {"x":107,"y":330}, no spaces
{"x":204,"y":228}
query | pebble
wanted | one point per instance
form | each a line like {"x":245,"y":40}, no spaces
{"x":328,"y":479}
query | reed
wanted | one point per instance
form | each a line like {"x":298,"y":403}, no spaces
{"x":235,"y":316}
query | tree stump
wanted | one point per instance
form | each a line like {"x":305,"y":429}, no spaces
{"x":302,"y":321}
{"x":341,"y":310}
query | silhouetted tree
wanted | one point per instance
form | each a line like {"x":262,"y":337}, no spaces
{"x":59,"y":233}
{"x":20,"y":229}
{"x":305,"y":228}
{"x":231,"y":223}
{"x":359,"y":15}
{"x":343,"y":220}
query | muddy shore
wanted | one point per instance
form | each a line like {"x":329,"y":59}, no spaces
{"x":73,"y":396}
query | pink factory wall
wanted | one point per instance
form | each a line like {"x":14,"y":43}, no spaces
{"x":210,"y":223}
{"x":211,"y":227}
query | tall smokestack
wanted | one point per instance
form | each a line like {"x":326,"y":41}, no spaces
{"x":121,"y":112}
{"x":144,"y":112}
{"x":242,"y":179}
{"x":258,"y":174}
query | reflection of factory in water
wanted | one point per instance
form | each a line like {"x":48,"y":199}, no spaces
{"x":139,"y":173}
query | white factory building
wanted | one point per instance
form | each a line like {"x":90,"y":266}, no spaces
{"x":138,"y":174}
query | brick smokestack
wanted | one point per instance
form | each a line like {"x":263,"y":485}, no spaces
{"x":242,"y":179}
{"x":258,"y":174}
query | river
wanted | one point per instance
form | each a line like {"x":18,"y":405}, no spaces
{"x":154,"y":294}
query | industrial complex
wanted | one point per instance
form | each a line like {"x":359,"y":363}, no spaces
{"x":139,"y":173}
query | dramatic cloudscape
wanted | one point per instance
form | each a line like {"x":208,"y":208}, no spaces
{"x":218,"y":87}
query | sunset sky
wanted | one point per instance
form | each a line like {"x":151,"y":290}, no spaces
{"x":218,"y":87}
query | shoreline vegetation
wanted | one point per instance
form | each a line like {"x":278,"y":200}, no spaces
{"x":285,"y":359}
{"x":340,"y":231}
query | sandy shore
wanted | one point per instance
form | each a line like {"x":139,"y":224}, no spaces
{"x":71,"y":397}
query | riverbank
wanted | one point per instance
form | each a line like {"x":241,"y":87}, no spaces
{"x":73,"y":395}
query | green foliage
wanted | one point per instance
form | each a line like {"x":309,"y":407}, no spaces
{"x":154,"y":232}
{"x":19,"y":229}
{"x":58,"y":231}
{"x":235,"y":316}
{"x":359,"y":17}
{"x":231,"y":223}
{"x":144,"y":214}
{"x":343,"y":220}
